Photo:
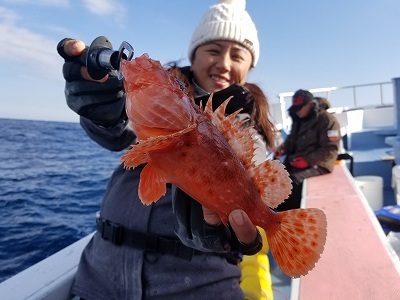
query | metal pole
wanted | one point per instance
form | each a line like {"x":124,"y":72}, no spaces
{"x":396,"y":93}
{"x":354,"y":96}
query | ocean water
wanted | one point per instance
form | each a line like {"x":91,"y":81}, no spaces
{"x":52,"y":179}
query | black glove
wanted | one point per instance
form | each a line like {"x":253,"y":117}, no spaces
{"x":102,"y":103}
{"x":242,"y":99}
{"x":194,"y":232}
{"x":191,"y":228}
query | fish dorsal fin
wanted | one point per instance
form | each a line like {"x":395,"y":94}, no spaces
{"x":273,"y":182}
{"x":238,"y":138}
{"x":270,"y":177}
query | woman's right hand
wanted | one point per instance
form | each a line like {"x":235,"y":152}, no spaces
{"x":72,"y":49}
{"x":101,"y":101}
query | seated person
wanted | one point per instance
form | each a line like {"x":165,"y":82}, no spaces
{"x":311,"y":148}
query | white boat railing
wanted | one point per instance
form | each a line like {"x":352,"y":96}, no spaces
{"x":49,"y":279}
{"x":356,"y":94}
{"x":341,"y":98}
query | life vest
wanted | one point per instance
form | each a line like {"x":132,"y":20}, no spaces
{"x":256,"y":281}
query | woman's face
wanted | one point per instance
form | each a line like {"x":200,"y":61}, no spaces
{"x":219,"y":64}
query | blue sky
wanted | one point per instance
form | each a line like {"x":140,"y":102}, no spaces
{"x":304,"y":44}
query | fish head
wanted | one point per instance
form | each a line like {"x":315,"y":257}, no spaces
{"x":155,"y":102}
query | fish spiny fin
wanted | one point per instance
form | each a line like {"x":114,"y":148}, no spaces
{"x":235,"y":133}
{"x":138,"y":154}
{"x":270,"y":177}
{"x":273,"y":182}
{"x":152,"y":185}
{"x":208,"y":108}
{"x":228,"y":125}
{"x":219,"y":113}
{"x":217,"y":116}
{"x":299,"y":240}
{"x":242,"y":143}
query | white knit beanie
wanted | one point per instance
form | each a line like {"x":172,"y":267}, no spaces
{"x":227,"y":20}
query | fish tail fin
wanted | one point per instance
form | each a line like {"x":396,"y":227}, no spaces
{"x":298,"y":239}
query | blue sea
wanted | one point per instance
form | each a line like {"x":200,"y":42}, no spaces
{"x":52,"y":180}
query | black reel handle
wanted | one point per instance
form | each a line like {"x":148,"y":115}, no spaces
{"x":99,"y":58}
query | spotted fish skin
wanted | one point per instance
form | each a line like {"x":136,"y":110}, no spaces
{"x":210,"y":157}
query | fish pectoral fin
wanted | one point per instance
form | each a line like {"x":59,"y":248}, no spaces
{"x":299,"y":241}
{"x":138,"y":154}
{"x":152,"y":185}
{"x":134,"y":157}
{"x":273,"y":182}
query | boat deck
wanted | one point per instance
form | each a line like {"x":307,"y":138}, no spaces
{"x":358,"y":261}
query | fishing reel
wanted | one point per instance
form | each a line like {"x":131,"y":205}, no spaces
{"x":100,"y":58}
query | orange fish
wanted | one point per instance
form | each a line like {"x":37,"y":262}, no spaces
{"x":210,"y":157}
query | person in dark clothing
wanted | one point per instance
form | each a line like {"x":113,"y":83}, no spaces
{"x":174,"y":248}
{"x":311,"y":148}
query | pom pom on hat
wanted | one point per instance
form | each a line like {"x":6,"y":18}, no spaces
{"x":227,"y":20}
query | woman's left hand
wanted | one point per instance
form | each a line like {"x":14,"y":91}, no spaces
{"x":241,"y":224}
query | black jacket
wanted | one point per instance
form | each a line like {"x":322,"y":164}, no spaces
{"x":316,"y":138}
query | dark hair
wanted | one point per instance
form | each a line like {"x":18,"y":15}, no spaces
{"x":260,"y":115}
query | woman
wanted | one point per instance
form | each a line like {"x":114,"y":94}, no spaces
{"x":173,"y":249}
